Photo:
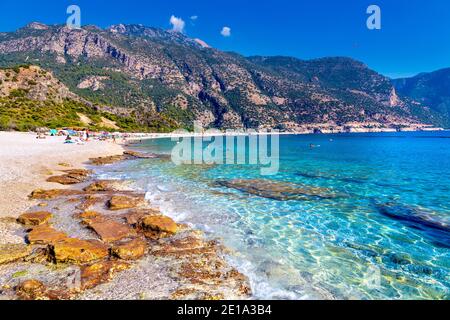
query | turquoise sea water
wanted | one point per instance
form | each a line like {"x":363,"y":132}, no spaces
{"x":385,"y":234}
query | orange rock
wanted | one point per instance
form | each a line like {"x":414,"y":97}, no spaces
{"x":134,"y":216}
{"x":78,"y":251}
{"x":132,"y":250}
{"x":90,"y":201}
{"x":159,"y":224}
{"x":109,"y":230}
{"x":78,"y":172}
{"x":45,"y":234}
{"x":30,"y":290}
{"x":124,"y":202}
{"x":34,"y":218}
{"x":107,"y":160}
{"x":88,"y":215}
{"x":64,"y":180}
{"x":99,"y":186}
{"x":52,"y":194}
{"x":36,"y":290}
{"x":13,"y":252}
{"x":101,"y":272}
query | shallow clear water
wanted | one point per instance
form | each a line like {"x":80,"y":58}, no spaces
{"x":386,"y":235}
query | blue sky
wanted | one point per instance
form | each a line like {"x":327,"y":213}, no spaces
{"x":415,"y":34}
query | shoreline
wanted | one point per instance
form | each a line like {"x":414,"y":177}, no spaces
{"x":29,"y":162}
{"x":172,"y":265}
{"x":150,"y":136}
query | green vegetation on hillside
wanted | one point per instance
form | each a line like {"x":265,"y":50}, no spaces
{"x":17,"y":112}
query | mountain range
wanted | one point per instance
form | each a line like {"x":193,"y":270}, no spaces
{"x":134,"y":77}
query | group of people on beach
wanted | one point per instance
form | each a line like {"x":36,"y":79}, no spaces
{"x":80,"y":136}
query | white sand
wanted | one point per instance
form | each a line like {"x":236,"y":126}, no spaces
{"x":25,"y":164}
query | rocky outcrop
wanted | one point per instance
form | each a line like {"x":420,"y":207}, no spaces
{"x":94,"y":274}
{"x":34,"y":218}
{"x":74,"y":176}
{"x":45,"y":235}
{"x":124,"y":202}
{"x":109,"y":230}
{"x":158,"y":226}
{"x":77,"y":251}
{"x":41,"y":194}
{"x":13,"y":252}
{"x":130,"y":250}
{"x":99,"y":186}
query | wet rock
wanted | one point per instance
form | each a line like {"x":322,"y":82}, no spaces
{"x":158,"y":226}
{"x":73,"y":176}
{"x":88,"y":215}
{"x":101,"y":272}
{"x":36,"y":290}
{"x":194,"y":294}
{"x":64,"y":180}
{"x":109,"y":230}
{"x":134,"y":216}
{"x":13,"y":252}
{"x":90,"y":201}
{"x":428,"y":222}
{"x":124,"y":202}
{"x":41,"y":194}
{"x":45,"y":234}
{"x":78,"y":251}
{"x":281,"y":191}
{"x":131,"y":250}
{"x":31,"y":290}
{"x":99,"y":186}
{"x":107,"y":160}
{"x":138,"y":155}
{"x":34,"y":218}
{"x":78,"y":172}
{"x":185,"y":246}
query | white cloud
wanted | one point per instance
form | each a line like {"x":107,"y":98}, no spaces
{"x":226,"y":31}
{"x":177,"y":24}
{"x":194,"y":18}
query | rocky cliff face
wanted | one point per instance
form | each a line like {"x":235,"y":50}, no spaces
{"x":149,"y":72}
{"x":431,"y":90}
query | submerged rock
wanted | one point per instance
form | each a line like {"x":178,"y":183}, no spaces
{"x":138,"y":155}
{"x":99,"y":186}
{"x":185,"y":246}
{"x":13,"y":252}
{"x":41,"y":194}
{"x":78,"y":251}
{"x":34,"y":218}
{"x":101,"y":272}
{"x":131,"y":250}
{"x":109,"y":230}
{"x":124,"y":202}
{"x":134,"y":216}
{"x":276,"y":190}
{"x":436,"y":229}
{"x":45,"y":234}
{"x":90,"y":201}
